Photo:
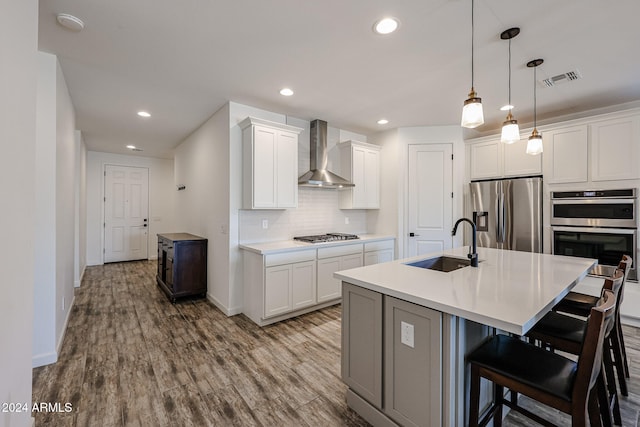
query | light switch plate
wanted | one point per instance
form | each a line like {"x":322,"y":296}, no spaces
{"x":406,"y":334}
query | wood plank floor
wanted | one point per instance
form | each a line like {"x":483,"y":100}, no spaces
{"x":131,"y":358}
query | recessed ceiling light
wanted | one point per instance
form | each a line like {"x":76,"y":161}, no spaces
{"x":286,"y":92}
{"x":386,"y":25}
{"x":506,"y":107}
{"x":144,"y":114}
{"x":131,"y":147}
{"x":70,"y":22}
{"x":383,"y":121}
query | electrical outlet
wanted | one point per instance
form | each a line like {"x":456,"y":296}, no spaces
{"x":346,"y":220}
{"x":406,"y":334}
{"x":265,"y":224}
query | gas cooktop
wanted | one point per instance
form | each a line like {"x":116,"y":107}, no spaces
{"x":329,"y":237}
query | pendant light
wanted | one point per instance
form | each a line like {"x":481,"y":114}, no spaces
{"x":510,"y":129}
{"x":472,"y":115}
{"x":534,"y":146}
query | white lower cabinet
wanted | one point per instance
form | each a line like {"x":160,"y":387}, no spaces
{"x":289,"y":287}
{"x":335,"y":259}
{"x":285,"y":284}
{"x":377,"y":252}
{"x":278,"y":284}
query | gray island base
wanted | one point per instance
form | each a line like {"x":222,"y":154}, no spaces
{"x":406,"y":330}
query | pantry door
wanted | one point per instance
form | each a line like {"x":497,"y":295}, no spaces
{"x":430,"y":198}
{"x":126,"y":208}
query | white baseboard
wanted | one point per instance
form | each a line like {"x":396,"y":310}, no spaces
{"x":225,"y":310}
{"x":44,"y":359}
{"x":52,"y":357}
{"x":78,"y":282}
{"x":66,"y":324}
{"x":630,"y":321}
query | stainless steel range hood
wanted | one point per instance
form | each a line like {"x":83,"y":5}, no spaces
{"x":319,"y":176}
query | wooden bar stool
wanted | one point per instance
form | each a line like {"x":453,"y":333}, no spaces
{"x":580,"y":304}
{"x":544,"y":376}
{"x":567,"y":333}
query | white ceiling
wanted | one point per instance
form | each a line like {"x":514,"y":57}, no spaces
{"x":182,"y":60}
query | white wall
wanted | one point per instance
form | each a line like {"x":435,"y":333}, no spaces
{"x":80,"y":255}
{"x":18,"y":44}
{"x":162,"y":191}
{"x":57,"y":165}
{"x":386,"y":220}
{"x":65,"y":204}
{"x":44,"y":325}
{"x":202,"y":164}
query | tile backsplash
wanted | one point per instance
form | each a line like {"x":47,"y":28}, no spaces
{"x":318,"y":212}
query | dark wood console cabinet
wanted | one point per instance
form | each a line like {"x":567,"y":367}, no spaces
{"x":182,"y":265}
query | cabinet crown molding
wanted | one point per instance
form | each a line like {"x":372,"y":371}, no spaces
{"x":350,"y":142}
{"x":253,"y":121}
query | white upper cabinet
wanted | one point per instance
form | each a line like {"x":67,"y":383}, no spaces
{"x":270,"y":164}
{"x":614,"y":149}
{"x":517,"y":162}
{"x":598,"y":150}
{"x":565,"y":152}
{"x":494,"y":159}
{"x":589,"y":150}
{"x":360,"y":165}
{"x":486,"y":159}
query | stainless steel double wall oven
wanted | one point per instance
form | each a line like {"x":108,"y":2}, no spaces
{"x":600,"y":224}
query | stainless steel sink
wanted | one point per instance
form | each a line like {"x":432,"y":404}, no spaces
{"x":442,"y":263}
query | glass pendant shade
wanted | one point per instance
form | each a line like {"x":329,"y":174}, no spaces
{"x":472,"y":114}
{"x":510,"y":130}
{"x":534,"y":146}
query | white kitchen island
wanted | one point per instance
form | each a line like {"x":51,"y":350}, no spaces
{"x":406,"y":330}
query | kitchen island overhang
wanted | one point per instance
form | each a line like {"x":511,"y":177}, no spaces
{"x":509,"y":290}
{"x":406,"y":330}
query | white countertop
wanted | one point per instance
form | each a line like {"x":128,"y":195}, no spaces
{"x":509,"y":290}
{"x":266,"y":248}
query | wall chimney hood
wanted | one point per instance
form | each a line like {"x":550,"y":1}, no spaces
{"x":319,"y":176}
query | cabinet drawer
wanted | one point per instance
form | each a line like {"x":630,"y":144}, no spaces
{"x":378,"y":246}
{"x":339,"y":251}
{"x":289,"y":257}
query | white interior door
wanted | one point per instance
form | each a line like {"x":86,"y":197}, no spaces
{"x":126,"y":207}
{"x":430,"y":201}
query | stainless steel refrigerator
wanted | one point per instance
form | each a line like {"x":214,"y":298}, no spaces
{"x":508,"y":213}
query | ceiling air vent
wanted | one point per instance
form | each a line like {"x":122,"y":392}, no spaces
{"x":561,"y":78}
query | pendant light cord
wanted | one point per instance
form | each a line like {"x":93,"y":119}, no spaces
{"x":535,"y":101}
{"x":509,"y":71}
{"x":472,"y":33}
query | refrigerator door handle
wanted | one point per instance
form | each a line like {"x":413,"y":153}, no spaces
{"x":499,"y":216}
{"x":503,"y":215}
